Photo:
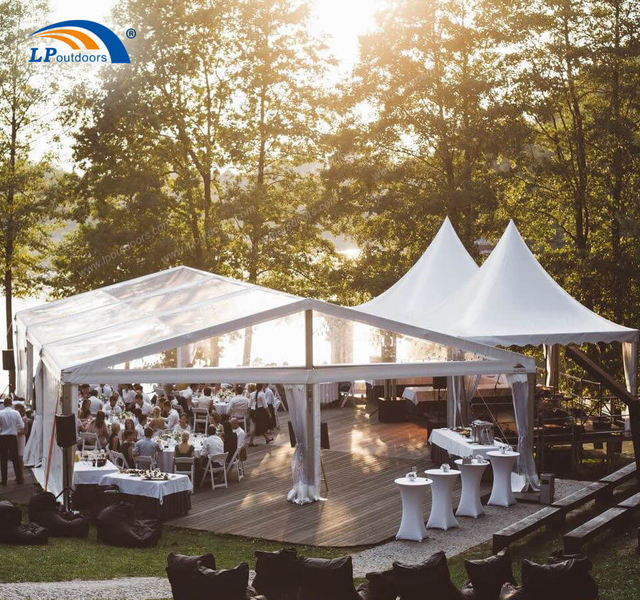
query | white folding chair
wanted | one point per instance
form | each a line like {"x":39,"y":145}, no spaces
{"x":191,"y":471}
{"x":200,"y":417}
{"x":237,"y":463}
{"x":349,"y":395}
{"x":144,"y":462}
{"x":241,"y":416}
{"x":90,"y":441}
{"x":210,"y":469}
{"x":118,"y":459}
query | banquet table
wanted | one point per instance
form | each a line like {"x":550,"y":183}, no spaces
{"x":456,"y":445}
{"x":86,"y":479}
{"x":328,"y":392}
{"x":164,"y":459}
{"x":156,"y":499}
{"x":501,"y":492}
{"x":470,"y":503}
{"x":442,"y":516}
{"x":420,"y":394}
{"x":412,"y":494}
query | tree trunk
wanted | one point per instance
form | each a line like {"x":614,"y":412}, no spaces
{"x":9,"y":246}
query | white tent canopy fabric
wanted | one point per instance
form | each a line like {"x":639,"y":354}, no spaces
{"x":443,"y":269}
{"x":512,"y":301}
{"x":129,"y":331}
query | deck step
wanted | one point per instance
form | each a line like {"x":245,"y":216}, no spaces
{"x":547,"y":516}
{"x":587,"y":531}
{"x":632,"y":503}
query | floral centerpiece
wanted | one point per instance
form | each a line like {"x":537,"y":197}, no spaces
{"x":154,"y":474}
{"x":225,"y":394}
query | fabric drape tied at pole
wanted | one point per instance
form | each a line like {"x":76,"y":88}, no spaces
{"x":526,"y":466}
{"x":305,"y":485}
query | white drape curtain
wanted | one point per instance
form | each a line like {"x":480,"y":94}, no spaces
{"x":526,"y":466}
{"x":33,"y":447}
{"x":552,"y":357}
{"x":630,"y":362}
{"x":306,"y":486}
{"x":51,"y":390}
{"x":460,"y":391}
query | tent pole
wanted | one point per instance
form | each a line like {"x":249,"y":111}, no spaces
{"x":531,"y":379}
{"x":311,"y":414}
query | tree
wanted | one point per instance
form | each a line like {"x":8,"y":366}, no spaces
{"x":26,"y":209}
{"x":424,"y":136}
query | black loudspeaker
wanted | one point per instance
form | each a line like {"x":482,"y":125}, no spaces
{"x":8,"y":362}
{"x":65,"y":430}
{"x":439,"y":383}
{"x":324,"y":436}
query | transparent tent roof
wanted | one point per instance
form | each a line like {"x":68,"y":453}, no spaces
{"x":185,"y":324}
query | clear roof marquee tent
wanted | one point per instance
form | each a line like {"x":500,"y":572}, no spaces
{"x":443,"y":269}
{"x":137,"y":331}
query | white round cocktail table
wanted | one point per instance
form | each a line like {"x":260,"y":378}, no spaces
{"x":412,"y":493}
{"x":470,"y":504}
{"x":442,"y":516}
{"x":502,"y":463}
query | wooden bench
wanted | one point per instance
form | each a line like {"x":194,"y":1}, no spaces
{"x":548,"y":516}
{"x":594,"y":491}
{"x":573,"y":540}
{"x":632,"y":503}
{"x":613,"y":481}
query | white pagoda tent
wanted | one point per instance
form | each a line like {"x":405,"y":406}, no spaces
{"x":184,"y":325}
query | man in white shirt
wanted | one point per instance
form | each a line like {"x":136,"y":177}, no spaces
{"x":238,"y":405}
{"x":187,"y":393}
{"x":96,"y":403}
{"x":141,"y":426}
{"x":173,"y":417}
{"x":11,"y":424}
{"x":128,"y":395}
{"x":112,"y":407}
{"x":212,"y":444}
{"x":104,"y":389}
{"x":240,"y":433}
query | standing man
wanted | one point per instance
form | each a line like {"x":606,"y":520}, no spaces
{"x":11,"y":424}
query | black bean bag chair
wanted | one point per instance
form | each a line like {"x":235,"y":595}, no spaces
{"x":277,"y":575}
{"x":487,"y":576}
{"x":327,"y":579}
{"x":381,"y":585}
{"x":181,"y":573}
{"x":223,"y":584}
{"x":119,"y":526}
{"x":44,"y":511}
{"x":12,"y":531}
{"x":430,"y":579}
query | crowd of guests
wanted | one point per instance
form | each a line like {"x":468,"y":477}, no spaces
{"x":141,"y":417}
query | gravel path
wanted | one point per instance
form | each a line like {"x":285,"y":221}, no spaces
{"x":470,"y":533}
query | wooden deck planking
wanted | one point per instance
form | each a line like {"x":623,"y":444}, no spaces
{"x":363,"y":505}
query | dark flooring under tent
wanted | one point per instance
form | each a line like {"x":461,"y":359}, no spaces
{"x":362,"y":506}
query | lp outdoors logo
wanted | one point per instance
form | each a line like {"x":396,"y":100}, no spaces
{"x":81,"y":36}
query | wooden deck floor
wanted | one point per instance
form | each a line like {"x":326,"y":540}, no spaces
{"x":362,"y":507}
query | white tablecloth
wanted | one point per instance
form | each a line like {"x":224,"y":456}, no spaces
{"x":327,"y":392}
{"x":165,"y":458}
{"x":422,"y":394}
{"x":86,"y":474}
{"x":135,"y":486}
{"x":221,"y":407}
{"x":458,"y":445}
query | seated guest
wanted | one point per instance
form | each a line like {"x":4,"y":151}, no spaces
{"x":230,"y":440}
{"x":100,"y":428}
{"x":104,"y":389}
{"x":187,"y":393}
{"x":129,"y":425}
{"x":137,"y":388}
{"x":239,"y":404}
{"x":127,"y":448}
{"x":146,"y":407}
{"x":184,"y":449}
{"x":140,"y":427}
{"x":216,"y":420}
{"x":206,"y":400}
{"x":212,"y":444}
{"x":96,"y":403}
{"x":241,"y":434}
{"x":114,"y":437}
{"x":112,"y":407}
{"x":128,"y":395}
{"x":182,"y":426}
{"x":172,"y":417}
{"x":156,"y":422}
{"x":85,"y":415}
{"x":146,"y":446}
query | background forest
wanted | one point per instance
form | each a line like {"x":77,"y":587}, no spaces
{"x":231,"y":143}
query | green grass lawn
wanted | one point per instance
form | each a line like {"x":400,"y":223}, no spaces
{"x":616,"y":564}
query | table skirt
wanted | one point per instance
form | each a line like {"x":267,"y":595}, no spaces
{"x":172,"y":505}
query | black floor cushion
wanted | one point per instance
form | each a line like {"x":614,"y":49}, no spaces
{"x":511,"y":592}
{"x":44,"y":511}
{"x":277,"y":574}
{"x":223,"y":584}
{"x":567,"y":580}
{"x":429,"y":580}
{"x":118,"y":526}
{"x":27,"y":534}
{"x":487,"y":576}
{"x":181,"y":571}
{"x":382,"y":585}
{"x":326,"y":579}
